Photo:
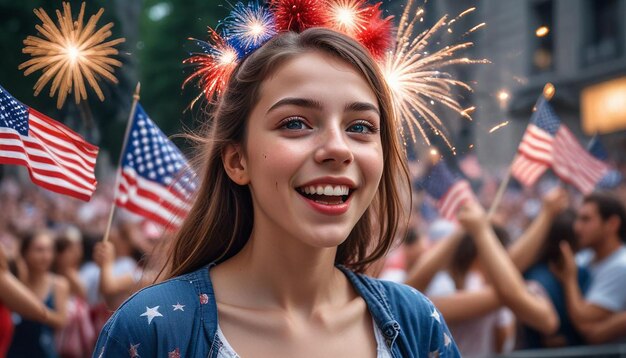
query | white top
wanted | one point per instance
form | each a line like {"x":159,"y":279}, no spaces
{"x":227,"y":351}
{"x":607,"y":288}
{"x":475,"y":337}
{"x":90,"y":276}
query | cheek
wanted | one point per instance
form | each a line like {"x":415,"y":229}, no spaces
{"x":271,"y":160}
{"x":371,"y":162}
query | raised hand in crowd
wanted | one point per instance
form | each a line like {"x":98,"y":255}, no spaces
{"x":532,"y":309}
{"x":601,"y":227}
{"x":114,"y":288}
{"x":17,"y":297}
{"x":525,"y":249}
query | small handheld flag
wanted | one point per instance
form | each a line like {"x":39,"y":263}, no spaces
{"x":450,"y":190}
{"x":549,"y":143}
{"x":156,"y":180}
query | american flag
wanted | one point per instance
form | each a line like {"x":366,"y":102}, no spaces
{"x":57,"y":158}
{"x":470,"y":166}
{"x":548,"y":143}
{"x":613,"y":177}
{"x":450,"y":190}
{"x":155,"y":180}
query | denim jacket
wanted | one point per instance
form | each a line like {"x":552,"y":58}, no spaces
{"x":178,"y":318}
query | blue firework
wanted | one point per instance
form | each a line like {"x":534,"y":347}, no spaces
{"x":249,"y":26}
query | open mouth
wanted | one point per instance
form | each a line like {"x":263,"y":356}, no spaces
{"x":326,"y":194}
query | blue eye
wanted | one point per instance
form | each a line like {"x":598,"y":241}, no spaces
{"x":294,"y":124}
{"x":362,"y":127}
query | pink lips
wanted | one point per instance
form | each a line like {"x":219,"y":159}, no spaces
{"x":330,"y":209}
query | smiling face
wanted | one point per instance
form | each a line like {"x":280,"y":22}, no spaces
{"x":313,"y":157}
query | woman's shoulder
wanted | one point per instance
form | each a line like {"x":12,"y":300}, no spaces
{"x":405,"y":299}
{"x":397,"y":295}
{"x":159,"y":319}
{"x":421,"y":324}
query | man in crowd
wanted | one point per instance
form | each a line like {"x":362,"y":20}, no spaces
{"x":601,"y":227}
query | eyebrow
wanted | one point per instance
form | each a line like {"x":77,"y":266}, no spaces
{"x":294,"y":101}
{"x":361,"y":107}
{"x":310,"y":103}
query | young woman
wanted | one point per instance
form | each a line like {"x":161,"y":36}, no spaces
{"x":299,"y":193}
{"x":33,"y":338}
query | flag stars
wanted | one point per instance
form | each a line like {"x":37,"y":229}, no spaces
{"x":178,"y":307}
{"x":436,"y":316}
{"x":151,"y":313}
{"x":132,"y":351}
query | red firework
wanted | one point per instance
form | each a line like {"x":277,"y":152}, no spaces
{"x":213,"y":67}
{"x":299,"y":15}
{"x":376,"y":36}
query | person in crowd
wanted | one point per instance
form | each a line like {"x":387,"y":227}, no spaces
{"x":300,"y":190}
{"x":561,"y":230}
{"x":121,"y":264}
{"x":402,"y":259}
{"x":114,"y":288}
{"x":477,"y":285}
{"x":16,"y":297}
{"x":601,"y":227}
{"x":77,"y":338}
{"x":35,"y":338}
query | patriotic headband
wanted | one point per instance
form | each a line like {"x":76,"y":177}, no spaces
{"x":416,"y":77}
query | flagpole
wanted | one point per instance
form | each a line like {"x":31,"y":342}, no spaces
{"x":119,"y":163}
{"x":548,"y":93}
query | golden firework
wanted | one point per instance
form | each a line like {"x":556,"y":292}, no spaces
{"x":70,"y":53}
{"x":418,"y":79}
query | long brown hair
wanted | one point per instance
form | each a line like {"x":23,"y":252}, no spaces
{"x":221,"y":219}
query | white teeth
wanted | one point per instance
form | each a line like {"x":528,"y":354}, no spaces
{"x":329,"y":190}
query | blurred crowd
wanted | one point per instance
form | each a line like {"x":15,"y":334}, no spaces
{"x":59,"y":282}
{"x":550,"y":272}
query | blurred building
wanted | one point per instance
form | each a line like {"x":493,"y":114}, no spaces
{"x":578,"y":45}
{"x":574,"y":44}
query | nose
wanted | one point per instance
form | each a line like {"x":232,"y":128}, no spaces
{"x":333,"y":147}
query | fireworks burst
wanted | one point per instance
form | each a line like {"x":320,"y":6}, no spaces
{"x":298,"y":15}
{"x":213,"y":66}
{"x":376,"y":35}
{"x":348,"y":16}
{"x":498,"y":126}
{"x":418,"y":79}
{"x":249,"y":26}
{"x":70,"y":53}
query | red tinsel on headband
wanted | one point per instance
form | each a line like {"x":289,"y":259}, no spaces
{"x":299,"y":15}
{"x":377,"y":34}
{"x":220,"y":55}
